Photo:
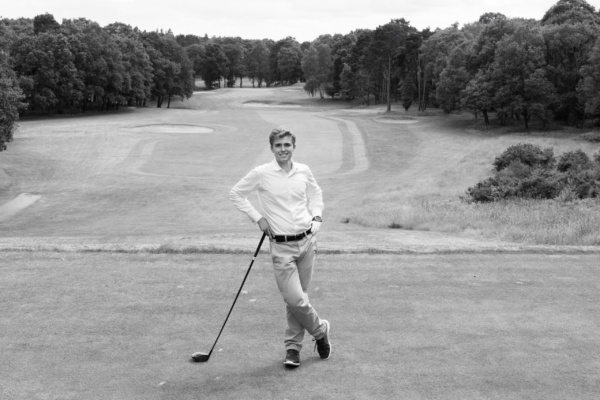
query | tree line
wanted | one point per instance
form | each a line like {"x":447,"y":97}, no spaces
{"x":513,"y":68}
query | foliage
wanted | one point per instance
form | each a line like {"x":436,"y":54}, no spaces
{"x":10,"y":101}
{"x":507,"y":68}
{"x":527,"y":171}
{"x":316,"y":66}
{"x":588,"y":88}
{"x":573,"y":161}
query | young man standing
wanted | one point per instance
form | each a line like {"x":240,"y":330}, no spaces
{"x":292,"y":204}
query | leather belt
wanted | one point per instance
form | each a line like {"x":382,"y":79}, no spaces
{"x":291,"y":238}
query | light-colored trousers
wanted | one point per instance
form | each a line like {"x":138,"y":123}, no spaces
{"x":293,"y":267}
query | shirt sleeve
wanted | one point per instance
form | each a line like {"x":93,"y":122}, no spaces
{"x":315,"y":196}
{"x":239,"y":195}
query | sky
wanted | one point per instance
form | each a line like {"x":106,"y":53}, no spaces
{"x":304,"y":20}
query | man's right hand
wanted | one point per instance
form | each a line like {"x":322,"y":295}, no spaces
{"x":264,"y":226}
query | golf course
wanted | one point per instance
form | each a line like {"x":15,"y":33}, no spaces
{"x":121,"y":254}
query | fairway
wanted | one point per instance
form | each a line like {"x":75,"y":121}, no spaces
{"x":120,"y":254}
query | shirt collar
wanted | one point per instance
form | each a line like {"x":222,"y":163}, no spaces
{"x":276,"y":166}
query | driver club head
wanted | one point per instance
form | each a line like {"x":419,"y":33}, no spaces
{"x":200,"y":357}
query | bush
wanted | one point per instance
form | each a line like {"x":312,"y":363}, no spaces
{"x":574,"y":160}
{"x":585,"y":183}
{"x":528,"y":154}
{"x":526,"y":171}
{"x":541,"y":184}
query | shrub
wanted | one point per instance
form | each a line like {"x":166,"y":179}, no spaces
{"x":526,"y":171}
{"x":541,"y":184}
{"x":528,"y":154}
{"x":574,"y":160}
{"x":585,"y":183}
{"x":493,"y":189}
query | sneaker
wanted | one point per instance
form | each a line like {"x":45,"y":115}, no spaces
{"x":292,"y":358}
{"x":323,"y":345}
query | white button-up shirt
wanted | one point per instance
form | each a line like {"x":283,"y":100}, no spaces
{"x":288,"y":201}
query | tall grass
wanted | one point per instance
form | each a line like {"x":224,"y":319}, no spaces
{"x":549,"y":222}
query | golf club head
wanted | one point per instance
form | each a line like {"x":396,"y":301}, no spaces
{"x":200,"y":357}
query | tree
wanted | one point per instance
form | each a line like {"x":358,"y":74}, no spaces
{"x":98,"y":60}
{"x":257,"y":63}
{"x":173,"y":70}
{"x":11,"y":101}
{"x":519,"y":75}
{"x":453,"y":79}
{"x":316,"y":66}
{"x":588,"y":89}
{"x":214,"y":65}
{"x":45,"y":23}
{"x":478,"y":95}
{"x":137,"y":69}
{"x":407,"y":91}
{"x":235,"y":53}
{"x":46,"y":72}
{"x":568,"y":46}
{"x":434,"y":56}
{"x":491,"y":16}
{"x":387,"y":43}
{"x":570,"y":11}
{"x":289,"y":58}
{"x":289,"y":64}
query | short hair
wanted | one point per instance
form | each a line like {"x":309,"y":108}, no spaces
{"x":279,"y":133}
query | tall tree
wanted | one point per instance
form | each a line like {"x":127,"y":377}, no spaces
{"x":45,"y":23}
{"x":289,"y":64}
{"x":387,"y":43}
{"x":11,"y":101}
{"x":519,"y":75}
{"x":316,"y":66}
{"x":46,"y":71}
{"x":214,"y":65}
{"x":454,"y":78}
{"x":289,"y":58}
{"x":173,"y":71}
{"x":257,"y":63}
{"x":137,"y":69}
{"x":98,"y":60}
{"x":589,"y":86}
{"x":570,"y":11}
{"x":235,"y":53}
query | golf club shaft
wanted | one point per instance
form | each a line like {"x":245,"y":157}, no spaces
{"x":239,"y":291}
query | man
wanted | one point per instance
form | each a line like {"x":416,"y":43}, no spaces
{"x":292,"y":203}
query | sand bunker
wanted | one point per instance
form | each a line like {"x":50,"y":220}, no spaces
{"x":171,"y":128}
{"x":269,"y":104}
{"x":21,"y":202}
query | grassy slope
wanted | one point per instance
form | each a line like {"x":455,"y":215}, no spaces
{"x":116,"y":326}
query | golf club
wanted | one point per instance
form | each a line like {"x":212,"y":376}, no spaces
{"x":203,"y":357}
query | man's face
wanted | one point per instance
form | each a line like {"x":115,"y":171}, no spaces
{"x":283,"y":149}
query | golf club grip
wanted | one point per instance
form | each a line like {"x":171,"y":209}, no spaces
{"x":239,"y":291}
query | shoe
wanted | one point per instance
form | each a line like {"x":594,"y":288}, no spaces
{"x":323,"y":345}
{"x":292,"y":358}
